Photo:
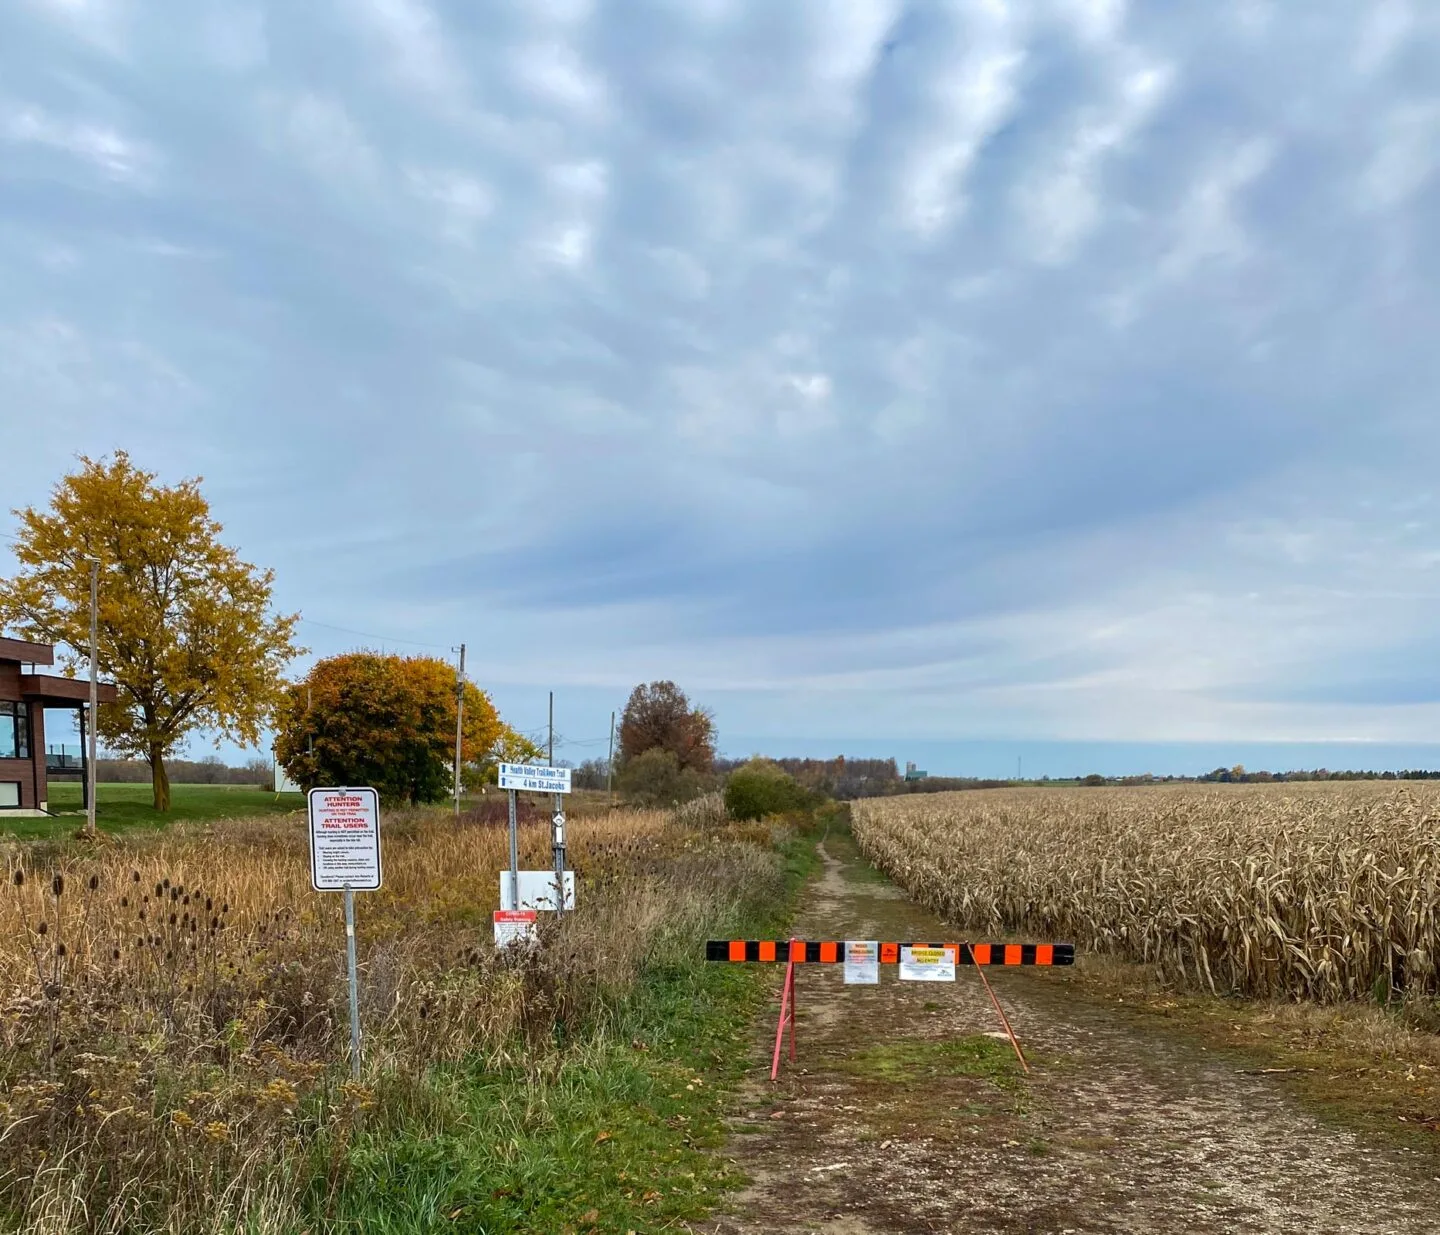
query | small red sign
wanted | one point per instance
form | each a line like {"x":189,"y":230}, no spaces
{"x":513,"y":925}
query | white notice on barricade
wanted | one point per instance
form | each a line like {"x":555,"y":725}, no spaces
{"x":537,"y":890}
{"x":921,"y":964}
{"x":344,"y":839}
{"x":514,"y":924}
{"x":862,"y":962}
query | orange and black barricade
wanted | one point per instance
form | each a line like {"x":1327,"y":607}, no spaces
{"x":792,"y":952}
{"x":832,"y":952}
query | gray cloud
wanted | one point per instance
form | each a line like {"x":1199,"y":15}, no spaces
{"x":1059,"y":368}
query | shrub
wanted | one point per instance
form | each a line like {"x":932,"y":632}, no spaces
{"x":655,"y":778}
{"x":761,"y":788}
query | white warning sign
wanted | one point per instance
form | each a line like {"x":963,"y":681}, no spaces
{"x":862,"y":962}
{"x":344,"y":839}
{"x":924,"y":964}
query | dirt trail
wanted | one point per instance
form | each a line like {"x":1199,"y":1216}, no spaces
{"x":900,"y":1116}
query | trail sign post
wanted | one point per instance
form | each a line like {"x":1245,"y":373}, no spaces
{"x":345,"y":857}
{"x":563,"y":897}
{"x":534,"y":778}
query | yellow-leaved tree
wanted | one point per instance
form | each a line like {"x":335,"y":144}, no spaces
{"x":186,"y":629}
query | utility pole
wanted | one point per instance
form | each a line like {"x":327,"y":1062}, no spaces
{"x":610,"y":765}
{"x":459,"y":723}
{"x":94,"y":696}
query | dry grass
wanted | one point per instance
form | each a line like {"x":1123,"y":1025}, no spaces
{"x":172,"y":1007}
{"x":1322,"y":891}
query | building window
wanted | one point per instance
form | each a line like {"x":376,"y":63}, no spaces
{"x":14,"y":731}
{"x":9,"y":794}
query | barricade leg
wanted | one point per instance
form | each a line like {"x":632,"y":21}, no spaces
{"x":787,"y":1015}
{"x":1004,"y":1020}
{"x":792,"y":1018}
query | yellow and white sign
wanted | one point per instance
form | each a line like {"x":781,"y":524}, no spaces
{"x":922,"y":964}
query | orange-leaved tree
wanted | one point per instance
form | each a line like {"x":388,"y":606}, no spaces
{"x":186,"y":629}
{"x":386,"y":721}
{"x":658,"y":714}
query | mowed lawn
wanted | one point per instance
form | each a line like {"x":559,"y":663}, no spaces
{"x":128,"y":806}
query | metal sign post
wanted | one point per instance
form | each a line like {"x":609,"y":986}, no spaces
{"x":514,"y":854}
{"x":354,"y":982}
{"x":345,"y":857}
{"x":558,"y":850}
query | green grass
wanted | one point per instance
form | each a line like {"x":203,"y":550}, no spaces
{"x":621,"y":1137}
{"x":119,"y":807}
{"x":915,"y":1059}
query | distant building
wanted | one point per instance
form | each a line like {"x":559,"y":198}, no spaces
{"x":914,"y":773}
{"x":283,"y":783}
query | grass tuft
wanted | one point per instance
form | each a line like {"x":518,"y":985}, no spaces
{"x":912,"y":1060}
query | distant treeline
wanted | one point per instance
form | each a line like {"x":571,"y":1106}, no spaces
{"x":1238,"y":775}
{"x":844,"y":778}
{"x":867,"y":778}
{"x":208,"y":771}
{"x":836,"y":778}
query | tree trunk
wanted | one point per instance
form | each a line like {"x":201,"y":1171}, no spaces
{"x":159,"y":779}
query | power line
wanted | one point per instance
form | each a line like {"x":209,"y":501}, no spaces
{"x":365,"y":634}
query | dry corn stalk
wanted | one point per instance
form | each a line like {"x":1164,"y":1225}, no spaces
{"x":1324,"y":891}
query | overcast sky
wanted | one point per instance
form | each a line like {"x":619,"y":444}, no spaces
{"x":1062,"y":370}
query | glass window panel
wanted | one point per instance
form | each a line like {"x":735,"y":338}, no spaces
{"x":9,"y":738}
{"x":9,"y":793}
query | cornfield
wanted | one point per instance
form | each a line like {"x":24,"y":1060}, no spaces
{"x":1321,"y":891}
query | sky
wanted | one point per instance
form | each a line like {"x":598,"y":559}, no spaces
{"x":894,"y":376}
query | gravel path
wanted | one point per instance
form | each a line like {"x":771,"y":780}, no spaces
{"x":877,"y":1130}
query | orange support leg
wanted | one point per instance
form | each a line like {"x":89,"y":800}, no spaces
{"x":787,"y":1017}
{"x":1004,"y":1020}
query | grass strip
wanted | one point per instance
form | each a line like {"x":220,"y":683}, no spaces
{"x":621,"y":1136}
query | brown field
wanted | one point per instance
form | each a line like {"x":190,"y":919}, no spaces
{"x":1326,"y":891}
{"x":172,"y":1005}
